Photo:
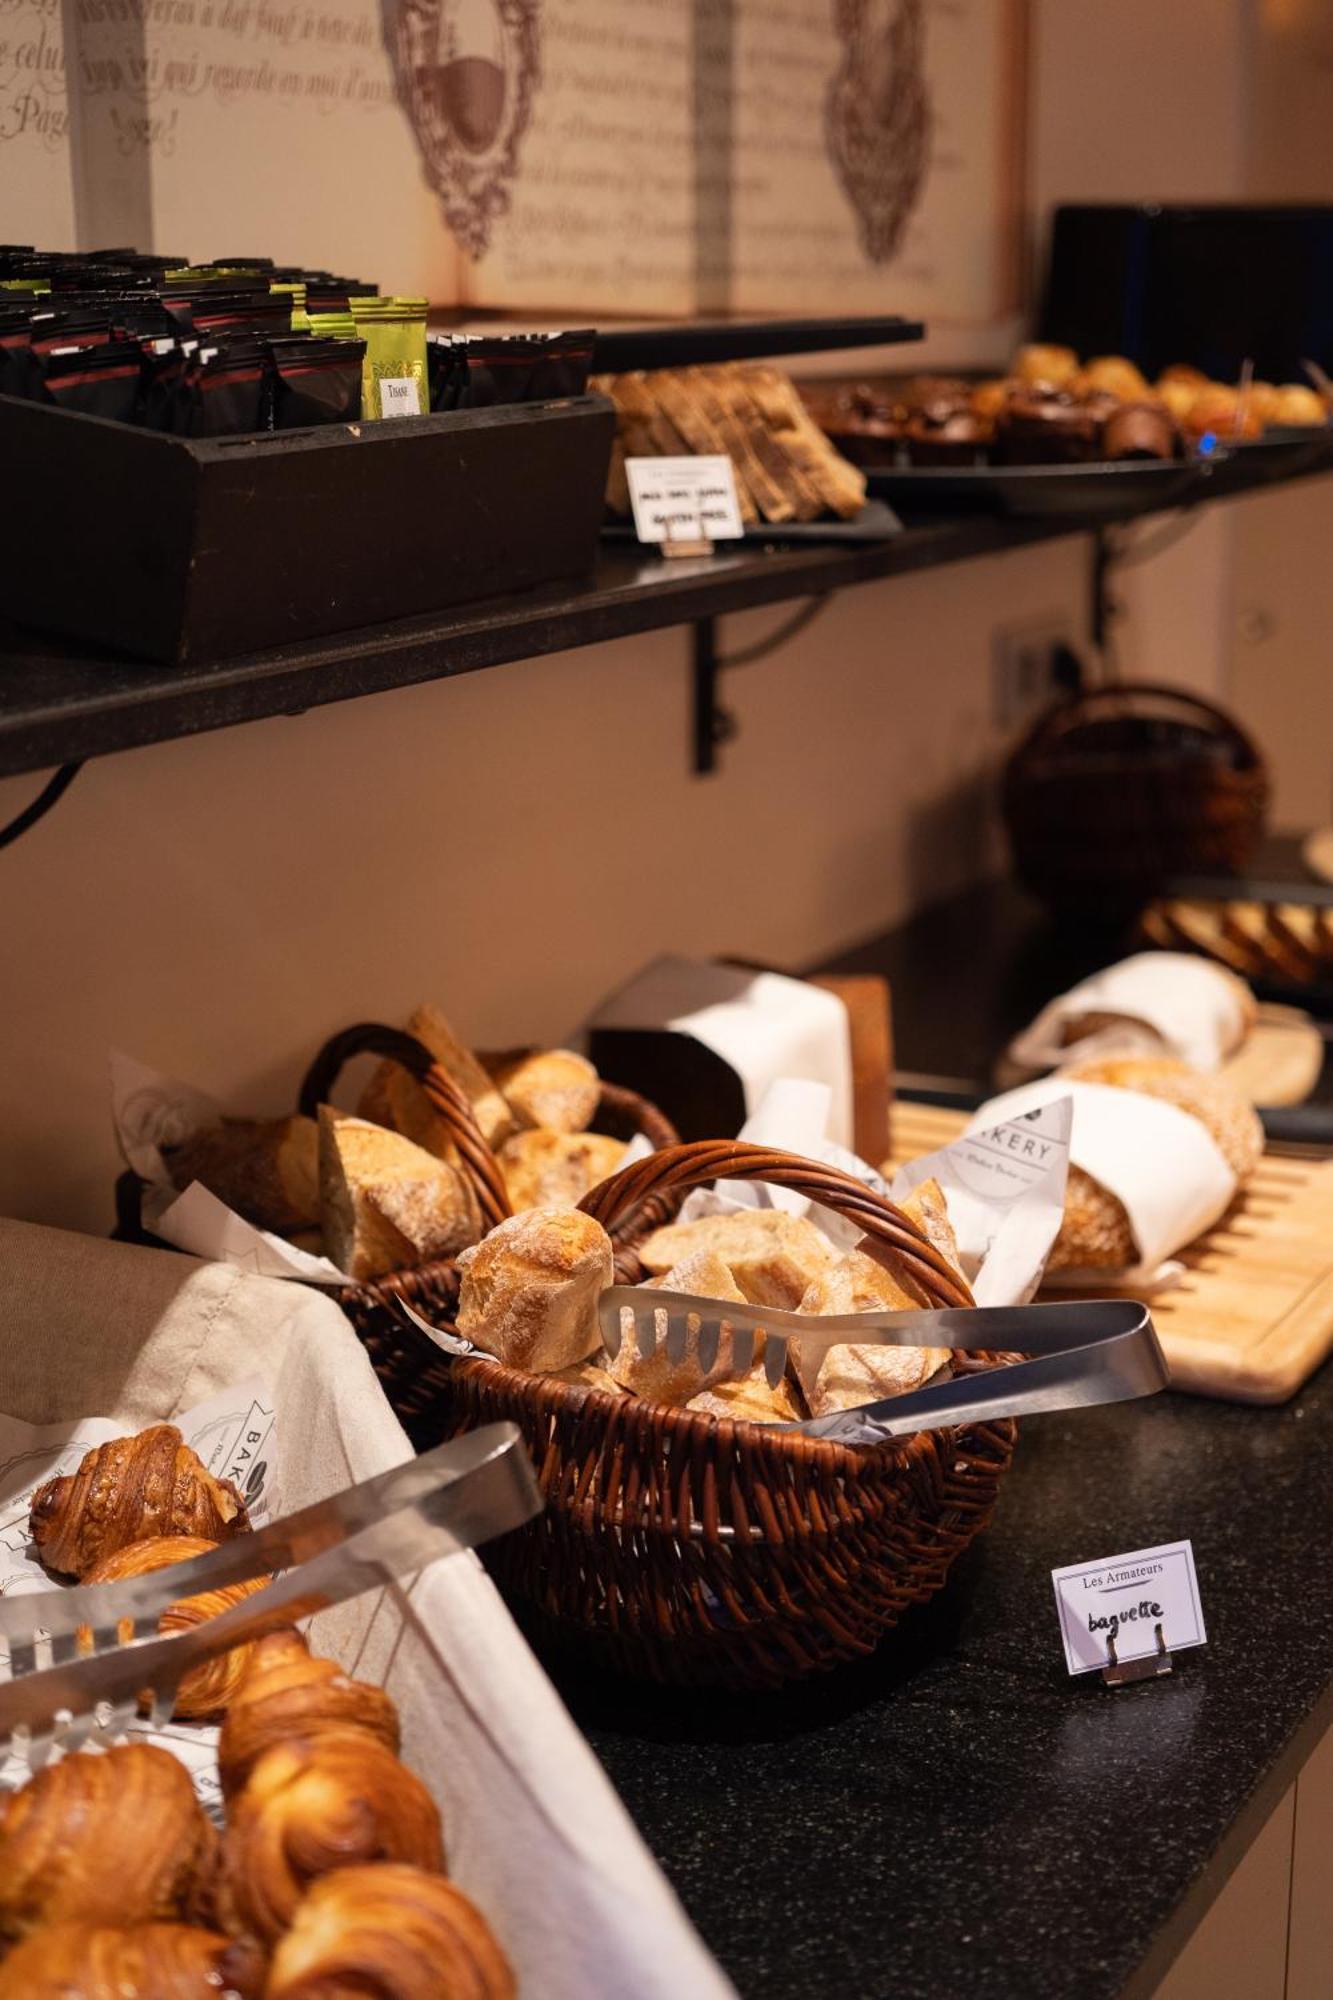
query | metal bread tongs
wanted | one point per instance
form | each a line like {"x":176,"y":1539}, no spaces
{"x":71,"y":1671}
{"x":1091,"y":1351}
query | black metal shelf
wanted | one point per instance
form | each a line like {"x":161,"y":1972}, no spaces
{"x":60,"y":702}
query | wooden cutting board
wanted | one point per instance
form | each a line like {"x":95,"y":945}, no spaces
{"x":1253,"y":1317}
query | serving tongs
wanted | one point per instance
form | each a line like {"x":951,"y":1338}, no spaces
{"x":73,"y":1671}
{"x":1089,"y":1351}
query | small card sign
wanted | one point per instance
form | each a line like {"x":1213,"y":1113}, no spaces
{"x":1125,"y":1599}
{"x":684,"y":499}
{"x":400,"y":396}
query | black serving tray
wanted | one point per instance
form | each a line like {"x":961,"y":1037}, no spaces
{"x":1079,"y":491}
{"x":705,"y":341}
{"x":186,"y":549}
{"x":1283,"y":451}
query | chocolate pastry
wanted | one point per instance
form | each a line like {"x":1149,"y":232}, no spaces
{"x":1139,"y":430}
{"x":1036,"y":429}
{"x":943,"y":435}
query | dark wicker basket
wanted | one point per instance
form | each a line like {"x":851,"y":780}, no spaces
{"x":695,"y":1549}
{"x":1115,"y":791}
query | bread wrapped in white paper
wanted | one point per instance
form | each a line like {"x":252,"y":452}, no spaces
{"x":1164,"y":1003}
{"x":1157,"y":1152}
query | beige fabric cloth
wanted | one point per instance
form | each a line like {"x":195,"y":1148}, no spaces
{"x":533,"y":1829}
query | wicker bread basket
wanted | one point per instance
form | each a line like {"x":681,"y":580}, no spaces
{"x":1113,"y":792}
{"x":695,"y":1549}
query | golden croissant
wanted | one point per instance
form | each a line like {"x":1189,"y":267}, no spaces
{"x":388,"y":1932}
{"x":307,"y":1808}
{"x":207,"y":1688}
{"x":116,"y":1838}
{"x":287,"y":1691}
{"x":134,"y":1487}
{"x":147,"y":1962}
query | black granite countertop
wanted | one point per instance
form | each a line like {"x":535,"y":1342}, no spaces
{"x":959,"y":1816}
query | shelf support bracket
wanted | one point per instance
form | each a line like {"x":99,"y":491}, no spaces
{"x":713,"y":724}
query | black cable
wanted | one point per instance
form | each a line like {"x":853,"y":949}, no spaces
{"x":52,"y":791}
{"x":787,"y":630}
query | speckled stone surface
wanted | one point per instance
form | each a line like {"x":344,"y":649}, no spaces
{"x":957,"y":1817}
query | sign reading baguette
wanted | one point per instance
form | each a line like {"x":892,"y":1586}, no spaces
{"x":684,"y":499}
{"x":1132,"y":1607}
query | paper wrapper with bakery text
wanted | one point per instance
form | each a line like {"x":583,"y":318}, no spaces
{"x":1004,"y":1188}
{"x":151,"y":1111}
{"x":534,"y":1833}
{"x":1164,"y":1167}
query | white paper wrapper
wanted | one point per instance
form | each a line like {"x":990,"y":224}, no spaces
{"x":762,"y":1024}
{"x":151,"y":1111}
{"x":1163,"y":1165}
{"x":1171,"y":1003}
{"x":535,"y":1834}
{"x":1004,"y":1185}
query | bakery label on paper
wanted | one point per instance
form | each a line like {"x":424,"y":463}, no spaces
{"x":1124,"y":1599}
{"x":684,"y":499}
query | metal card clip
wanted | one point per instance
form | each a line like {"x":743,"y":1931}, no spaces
{"x":1123,"y":1673}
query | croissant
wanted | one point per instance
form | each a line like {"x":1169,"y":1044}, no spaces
{"x":308,"y":1808}
{"x":117,"y":1838}
{"x":389,"y":1933}
{"x":152,"y":1484}
{"x":287,"y":1691}
{"x":207,"y":1688}
{"x":149,"y":1962}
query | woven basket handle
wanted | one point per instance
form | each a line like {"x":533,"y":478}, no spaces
{"x":446,"y":1099}
{"x":680,"y":1168}
{"x":1065,"y":715}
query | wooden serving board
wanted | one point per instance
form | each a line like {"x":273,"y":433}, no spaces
{"x":1253,"y":1317}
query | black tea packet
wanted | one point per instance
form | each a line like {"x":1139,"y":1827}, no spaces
{"x":316,"y":381}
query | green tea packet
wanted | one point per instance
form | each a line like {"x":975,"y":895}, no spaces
{"x":393,"y":378}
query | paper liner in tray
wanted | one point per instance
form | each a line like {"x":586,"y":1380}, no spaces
{"x":533,"y":1831}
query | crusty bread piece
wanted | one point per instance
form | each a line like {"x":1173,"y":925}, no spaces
{"x":556,"y":1169}
{"x":840,"y":485}
{"x":850,"y":1376}
{"x":764,"y":470}
{"x":551,"y":1087}
{"x":677,"y":392}
{"x":587,"y":1375}
{"x":1216,"y":1103}
{"x":385,"y":1203}
{"x":772,"y":1255}
{"x":267,"y":1169}
{"x":1095,"y":1232}
{"x":749,"y":1400}
{"x":838,"y":1378}
{"x":806,"y":502}
{"x":396,"y":1100}
{"x":842,"y":1377}
{"x":530,"y":1289}
{"x":705,"y":1274}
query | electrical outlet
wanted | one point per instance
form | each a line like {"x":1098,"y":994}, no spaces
{"x":1032,"y":663}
